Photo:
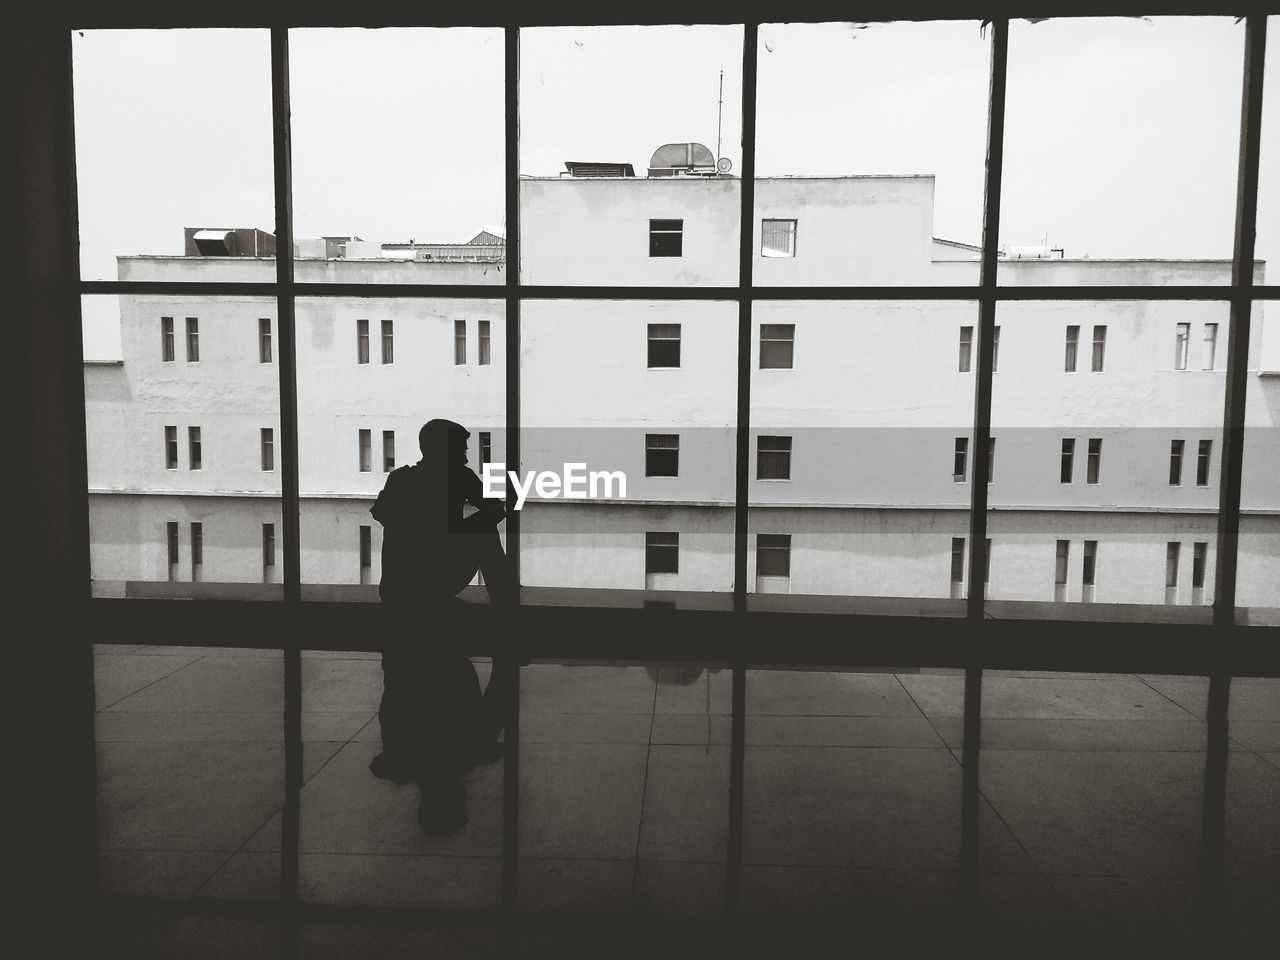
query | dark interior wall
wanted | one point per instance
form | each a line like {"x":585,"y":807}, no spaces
{"x":49,"y":667}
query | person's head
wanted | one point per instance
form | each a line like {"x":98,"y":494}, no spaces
{"x":443,"y":442}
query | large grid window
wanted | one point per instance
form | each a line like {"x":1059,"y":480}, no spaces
{"x":773,"y":551}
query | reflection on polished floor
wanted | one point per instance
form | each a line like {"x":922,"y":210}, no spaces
{"x":1092,"y":788}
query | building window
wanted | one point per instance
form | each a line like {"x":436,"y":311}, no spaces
{"x":777,"y":346}
{"x":1180,"y":346}
{"x":362,"y":341}
{"x":1067,"y":466}
{"x":486,"y":447}
{"x":664,"y":345}
{"x":366,"y":554}
{"x":388,"y":342}
{"x":773,"y":562}
{"x":1175,"y":462}
{"x":268,"y":448}
{"x":388,"y":451}
{"x":1090,"y":570}
{"x":459,"y":342}
{"x":193,"y":340}
{"x":1094,"y":464}
{"x":966,"y":349}
{"x":778,"y":238}
{"x":197,"y":552}
{"x":957,"y":568}
{"x":171,"y":543}
{"x":366,"y":451}
{"x":268,"y":553}
{"x":1099,"y":347}
{"x":171,"y":448}
{"x":1171,"y":553}
{"x":1060,"y":564}
{"x":166,"y":339}
{"x":194,"y":452}
{"x":483,"y":341}
{"x":661,"y":454}
{"x":1210,"y":346}
{"x":1199,"y":560}
{"x":995,"y":350}
{"x":264,"y":340}
{"x":773,"y":458}
{"x":1073,"y":348}
{"x":666,"y":238}
{"x":661,"y":553}
{"x":1203,"y":458}
{"x":960,"y":465}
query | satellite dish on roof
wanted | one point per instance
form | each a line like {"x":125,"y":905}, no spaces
{"x":724,"y":165}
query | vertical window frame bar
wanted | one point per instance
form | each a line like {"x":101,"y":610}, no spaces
{"x":742,"y":486}
{"x":507,"y":660}
{"x":970,"y":808}
{"x":286,"y":329}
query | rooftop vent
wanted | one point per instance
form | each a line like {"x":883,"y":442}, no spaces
{"x":682,"y":160}
{"x":578,"y":168}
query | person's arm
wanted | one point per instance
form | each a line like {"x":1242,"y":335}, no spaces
{"x":389,"y":506}
{"x":489,"y":512}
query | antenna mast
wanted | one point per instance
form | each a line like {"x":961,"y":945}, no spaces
{"x":719,"y":115}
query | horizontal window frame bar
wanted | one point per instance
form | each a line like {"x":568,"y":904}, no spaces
{"x":728,"y":294}
{"x":159,"y":14}
{"x":637,"y":635}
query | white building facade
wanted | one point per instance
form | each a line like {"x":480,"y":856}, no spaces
{"x":1107,"y":416}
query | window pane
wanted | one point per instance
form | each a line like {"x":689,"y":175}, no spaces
{"x":1267,"y":239}
{"x":169,"y":165}
{"x":652,"y":452}
{"x":384,"y":189}
{"x":852,"y":803}
{"x":863,"y":431}
{"x":613,"y":201}
{"x":1097,"y":779}
{"x":1258,"y":558}
{"x":359,"y":425}
{"x":382,"y":857}
{"x":1084,"y":461}
{"x":624,"y":798}
{"x":871,"y":140}
{"x":1168,"y":110}
{"x":190,"y":769}
{"x":178,"y":446}
{"x":1253,"y":790}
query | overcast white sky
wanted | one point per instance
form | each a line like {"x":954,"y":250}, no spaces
{"x":1121,"y":135}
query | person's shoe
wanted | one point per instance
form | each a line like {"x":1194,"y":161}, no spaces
{"x":384,"y":767}
{"x":442,"y":808}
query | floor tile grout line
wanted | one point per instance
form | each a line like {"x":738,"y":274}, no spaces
{"x":99,"y":709}
{"x":644,"y":792}
{"x":277,"y":810}
{"x":1143,"y":680}
{"x":981,"y":793}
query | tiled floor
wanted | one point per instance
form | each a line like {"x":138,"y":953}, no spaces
{"x":1090,"y":818}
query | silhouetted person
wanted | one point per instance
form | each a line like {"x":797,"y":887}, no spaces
{"x":436,"y":725}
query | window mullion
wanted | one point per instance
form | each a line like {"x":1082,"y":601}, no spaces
{"x":282,"y":162}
